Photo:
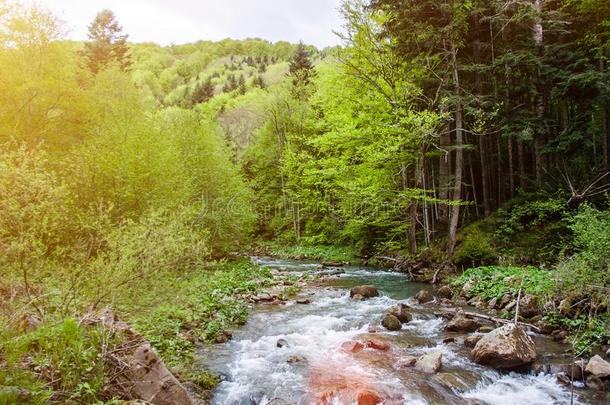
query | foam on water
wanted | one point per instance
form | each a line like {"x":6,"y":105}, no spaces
{"x":258,"y":371}
{"x":519,"y":389}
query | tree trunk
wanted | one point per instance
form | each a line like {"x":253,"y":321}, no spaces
{"x":511,"y":167}
{"x":521,"y":162}
{"x":444,"y":175}
{"x":459,"y":157}
{"x":539,"y":101}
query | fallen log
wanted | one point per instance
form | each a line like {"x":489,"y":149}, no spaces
{"x":495,"y":319}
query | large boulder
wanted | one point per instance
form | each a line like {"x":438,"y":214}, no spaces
{"x":424,"y":296}
{"x":139,"y":374}
{"x":472,"y":340}
{"x":429,"y":362}
{"x":460,"y":323}
{"x":445,"y":292}
{"x":505,"y":348}
{"x":598,"y":373}
{"x":365,"y":291}
{"x":529,"y":306}
{"x":390,"y":322}
{"x":400,"y":311}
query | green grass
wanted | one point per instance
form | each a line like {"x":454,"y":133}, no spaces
{"x":330,"y":253}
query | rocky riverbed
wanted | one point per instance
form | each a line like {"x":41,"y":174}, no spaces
{"x":362,"y":336}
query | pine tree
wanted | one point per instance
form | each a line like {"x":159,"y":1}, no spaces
{"x":241,"y":86}
{"x":106,"y":43}
{"x":203,"y":92}
{"x":301,"y":68}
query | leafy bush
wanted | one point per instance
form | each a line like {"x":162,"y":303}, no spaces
{"x":588,"y":270}
{"x":533,"y":230}
{"x":494,"y":281}
{"x":475,"y":248}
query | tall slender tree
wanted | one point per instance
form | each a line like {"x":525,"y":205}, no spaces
{"x":107,"y":43}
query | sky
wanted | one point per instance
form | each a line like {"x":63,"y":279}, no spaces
{"x":183,"y":21}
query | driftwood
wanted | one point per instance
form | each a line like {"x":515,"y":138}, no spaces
{"x":391,"y":259}
{"x":496,"y":319}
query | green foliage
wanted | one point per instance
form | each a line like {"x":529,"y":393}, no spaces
{"x":585,"y":332}
{"x":475,"y":247}
{"x":107,"y":44}
{"x":588,"y":270}
{"x":66,"y":354}
{"x":207,"y":305}
{"x":494,"y":281}
{"x":532,"y":229}
{"x":316,"y":252}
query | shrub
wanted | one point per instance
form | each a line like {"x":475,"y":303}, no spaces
{"x":475,"y":248}
{"x":495,"y":281}
{"x":588,"y":270}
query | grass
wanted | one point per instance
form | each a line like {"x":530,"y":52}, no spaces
{"x":329,"y":253}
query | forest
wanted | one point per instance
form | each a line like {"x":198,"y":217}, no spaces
{"x":465,"y":143}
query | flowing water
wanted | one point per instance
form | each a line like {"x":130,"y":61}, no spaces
{"x":313,"y":369}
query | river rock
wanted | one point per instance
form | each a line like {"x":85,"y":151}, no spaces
{"x":406,"y":362}
{"x":493,"y":303}
{"x":467,"y":288}
{"x":303,"y":301}
{"x":598,"y":373}
{"x":472,"y":340}
{"x":430,"y":362}
{"x":506,"y":299}
{"x":282,"y":343}
{"x":296,"y":359}
{"x":400,"y":311}
{"x":608,"y":353}
{"x":390,"y":322}
{"x":151,"y":381}
{"x":485,"y":329}
{"x":445,"y":292}
{"x":377,"y":345}
{"x":366,"y":291}
{"x":460,"y":323}
{"x":368,"y":397}
{"x":332,"y":264}
{"x":223,"y":337}
{"x":352,"y":346}
{"x":424,"y":296}
{"x":510,"y":305}
{"x":451,"y":381}
{"x":529,"y":306}
{"x":505,"y":348}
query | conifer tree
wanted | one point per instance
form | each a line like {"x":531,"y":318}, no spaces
{"x":301,"y":68}
{"x":107,"y":44}
{"x":203,"y":92}
{"x":241,"y":85}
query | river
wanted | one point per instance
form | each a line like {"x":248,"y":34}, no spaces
{"x":313,"y":369}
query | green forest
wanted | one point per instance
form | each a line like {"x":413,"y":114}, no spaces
{"x":464,"y":141}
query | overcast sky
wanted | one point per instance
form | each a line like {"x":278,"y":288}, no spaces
{"x":181,"y":21}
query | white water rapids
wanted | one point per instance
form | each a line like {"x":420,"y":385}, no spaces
{"x":257,"y":372}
